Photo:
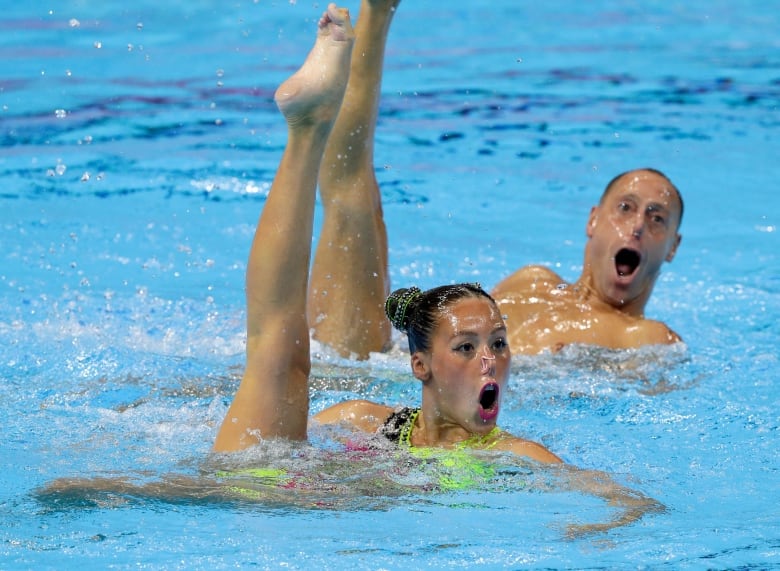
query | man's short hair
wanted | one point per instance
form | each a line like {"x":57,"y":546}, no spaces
{"x":615,"y":180}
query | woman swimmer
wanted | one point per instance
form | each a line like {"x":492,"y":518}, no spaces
{"x":457,"y":337}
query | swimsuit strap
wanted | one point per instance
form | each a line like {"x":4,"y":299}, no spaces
{"x":485,"y":442}
{"x":397,"y":423}
{"x":405,"y":436}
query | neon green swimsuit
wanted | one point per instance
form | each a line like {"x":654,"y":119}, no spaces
{"x":457,"y":468}
{"x":447,"y":469}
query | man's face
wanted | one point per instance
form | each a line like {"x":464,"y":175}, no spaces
{"x":632,"y":232}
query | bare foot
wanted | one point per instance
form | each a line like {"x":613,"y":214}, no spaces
{"x":392,"y":4}
{"x":313,"y":94}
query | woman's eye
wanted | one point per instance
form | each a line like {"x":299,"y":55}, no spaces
{"x":465,"y":348}
{"x":500,"y":344}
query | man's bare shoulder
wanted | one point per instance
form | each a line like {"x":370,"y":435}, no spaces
{"x":652,"y":332}
{"x":609,"y":327}
{"x":527,"y":278}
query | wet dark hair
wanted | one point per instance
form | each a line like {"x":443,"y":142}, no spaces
{"x":615,"y":180}
{"x":417,"y":312}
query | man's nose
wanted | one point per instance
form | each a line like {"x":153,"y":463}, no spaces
{"x":638,"y":226}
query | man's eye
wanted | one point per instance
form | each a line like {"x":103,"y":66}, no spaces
{"x":656,"y":217}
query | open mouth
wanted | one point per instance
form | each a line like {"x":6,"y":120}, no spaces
{"x":627,"y":261}
{"x":488,"y":401}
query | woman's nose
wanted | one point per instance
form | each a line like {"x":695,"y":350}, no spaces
{"x":488,"y":361}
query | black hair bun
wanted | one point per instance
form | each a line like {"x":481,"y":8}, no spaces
{"x":400,"y":305}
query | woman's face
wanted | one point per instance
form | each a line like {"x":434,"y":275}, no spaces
{"x":467,"y":368}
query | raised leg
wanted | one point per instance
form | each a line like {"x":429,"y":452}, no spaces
{"x":349,"y":279}
{"x":273,"y":398}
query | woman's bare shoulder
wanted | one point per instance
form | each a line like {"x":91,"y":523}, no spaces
{"x":362,"y":414}
{"x":527,"y":448}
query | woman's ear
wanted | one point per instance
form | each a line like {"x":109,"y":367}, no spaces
{"x":420,"y":366}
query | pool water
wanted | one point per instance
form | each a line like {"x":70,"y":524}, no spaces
{"x":139,"y":144}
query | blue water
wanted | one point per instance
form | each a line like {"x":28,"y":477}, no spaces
{"x":138,"y":143}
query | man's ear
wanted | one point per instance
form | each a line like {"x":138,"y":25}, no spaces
{"x":592,"y":220}
{"x":673,"y":250}
{"x":420,"y":366}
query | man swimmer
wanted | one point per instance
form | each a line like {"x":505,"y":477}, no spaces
{"x":631,"y":233}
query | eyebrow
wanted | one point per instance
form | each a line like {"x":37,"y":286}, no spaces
{"x":658,"y":206}
{"x":655,"y":205}
{"x":501,"y":328}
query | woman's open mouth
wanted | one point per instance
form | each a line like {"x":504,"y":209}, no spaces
{"x":488,"y":401}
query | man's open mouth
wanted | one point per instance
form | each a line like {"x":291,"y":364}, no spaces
{"x":627,"y":261}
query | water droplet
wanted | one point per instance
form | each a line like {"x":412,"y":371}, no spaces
{"x":98,"y":44}
{"x":60,"y":113}
{"x":74,"y":23}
